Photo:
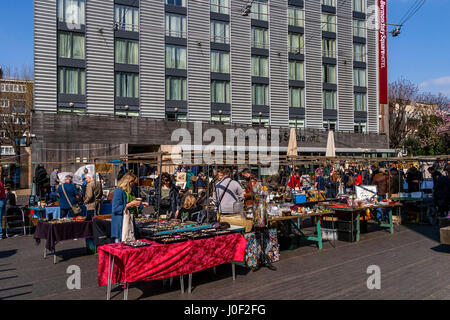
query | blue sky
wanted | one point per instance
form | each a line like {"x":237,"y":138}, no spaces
{"x":420,"y":54}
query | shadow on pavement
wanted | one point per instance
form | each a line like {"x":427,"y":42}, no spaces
{"x":7,"y":253}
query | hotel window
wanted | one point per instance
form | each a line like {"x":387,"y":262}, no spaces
{"x":296,"y":16}
{"x":329,"y":125}
{"x":178,"y":3}
{"x":260,"y":66}
{"x":329,"y":100}
{"x":296,"y":97}
{"x":176,"y":88}
{"x":220,"y":91}
{"x":220,"y":119}
{"x":175,"y":116}
{"x":127,"y":85}
{"x":260,"y":121}
{"x":296,"y":70}
{"x":126,"y":51}
{"x":359,"y":52}
{"x":220,"y":6}
{"x":331,"y":3}
{"x":175,"y":57}
{"x":260,"y":94}
{"x":359,"y":5}
{"x":328,"y":22}
{"x":260,"y":10}
{"x":220,"y":62}
{"x":329,"y":48}
{"x":360,"y":102}
{"x":175,"y":25}
{"x":360,"y":127}
{"x":260,"y":38}
{"x":359,"y":77}
{"x":220,"y":32}
{"x":359,"y":28}
{"x":126,"y":18}
{"x":71,"y":45}
{"x":296,"y":44}
{"x":329,"y":73}
{"x":71,"y":81}
{"x":72,"y":11}
{"x":297,"y":123}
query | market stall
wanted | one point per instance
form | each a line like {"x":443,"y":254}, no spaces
{"x":59,"y":230}
{"x":148,"y":260}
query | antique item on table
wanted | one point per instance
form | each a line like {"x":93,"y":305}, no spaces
{"x":136,"y":243}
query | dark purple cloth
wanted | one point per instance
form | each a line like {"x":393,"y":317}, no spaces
{"x":54,"y":233}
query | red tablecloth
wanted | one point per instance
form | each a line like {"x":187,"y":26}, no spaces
{"x":160,"y":261}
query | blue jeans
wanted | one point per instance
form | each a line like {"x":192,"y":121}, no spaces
{"x":381,"y":212}
{"x":2,"y":214}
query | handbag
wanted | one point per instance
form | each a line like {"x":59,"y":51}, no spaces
{"x":76,"y":209}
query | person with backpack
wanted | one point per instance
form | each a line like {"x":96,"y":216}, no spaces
{"x":228,"y":195}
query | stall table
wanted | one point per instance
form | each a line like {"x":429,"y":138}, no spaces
{"x":420,"y":202}
{"x":299,"y":217}
{"x":57,"y":232}
{"x":357,"y":210}
{"x":119,"y":263}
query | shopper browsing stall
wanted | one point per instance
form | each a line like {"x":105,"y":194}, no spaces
{"x":123,"y":200}
{"x":169,"y":198}
{"x":228,"y":194}
{"x":68,"y":197}
{"x":93,"y":196}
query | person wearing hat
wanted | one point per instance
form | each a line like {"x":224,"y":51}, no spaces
{"x":67,"y":202}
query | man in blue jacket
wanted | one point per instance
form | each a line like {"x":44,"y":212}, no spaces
{"x":72,"y":195}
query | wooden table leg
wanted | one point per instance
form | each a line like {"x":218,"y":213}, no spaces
{"x":319,"y":234}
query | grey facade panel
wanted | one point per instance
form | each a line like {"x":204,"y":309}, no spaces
{"x":100,"y":56}
{"x":241,"y":79}
{"x":372,"y":77}
{"x":152,"y":59}
{"x":345,"y":66}
{"x":279,"y":65}
{"x":199,"y":51}
{"x":45,"y":56}
{"x":313,"y":64}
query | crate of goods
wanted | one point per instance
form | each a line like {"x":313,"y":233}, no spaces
{"x":300,"y":198}
{"x":329,"y":224}
{"x":344,"y":225}
{"x":363,"y":226}
{"x":329,"y":234}
{"x":347,"y":236}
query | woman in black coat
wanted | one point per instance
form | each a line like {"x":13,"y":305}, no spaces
{"x":168,"y":197}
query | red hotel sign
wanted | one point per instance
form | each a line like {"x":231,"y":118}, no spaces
{"x":382,"y":51}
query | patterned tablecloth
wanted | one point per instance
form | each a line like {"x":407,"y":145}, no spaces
{"x":159,"y":261}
